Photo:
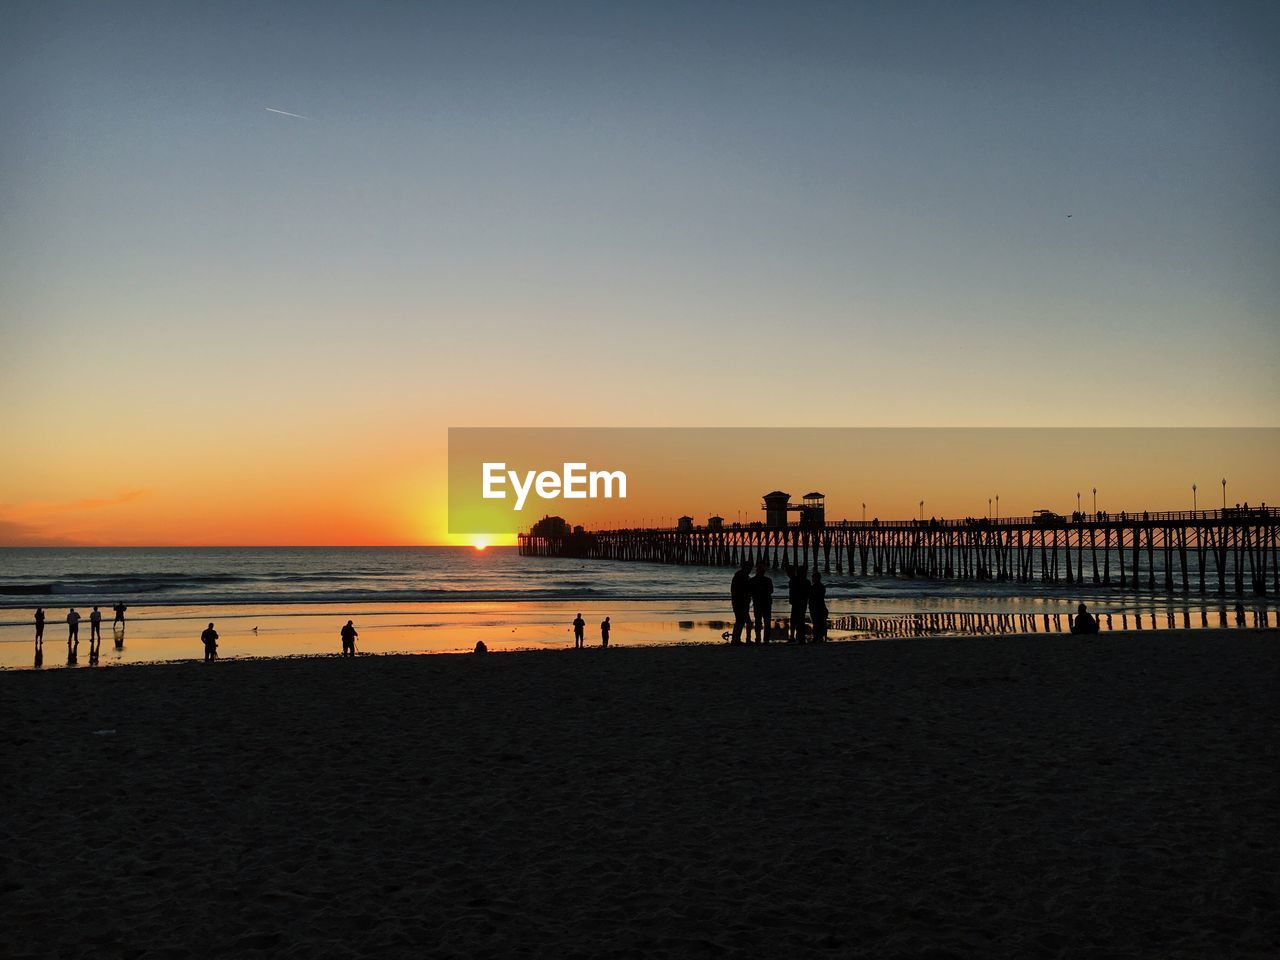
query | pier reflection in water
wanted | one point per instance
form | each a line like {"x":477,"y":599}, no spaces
{"x":980,"y":624}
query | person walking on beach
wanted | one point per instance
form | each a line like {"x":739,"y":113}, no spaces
{"x":210,"y":640}
{"x":579,"y":632}
{"x":798,"y":594}
{"x":605,"y":627}
{"x":818,"y":607}
{"x":740,"y":598}
{"x":1085,"y":622}
{"x":39,"y":626}
{"x":73,"y":627}
{"x":762,"y":602}
{"x":349,"y":635}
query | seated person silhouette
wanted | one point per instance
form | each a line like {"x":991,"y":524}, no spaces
{"x":1084,"y":623}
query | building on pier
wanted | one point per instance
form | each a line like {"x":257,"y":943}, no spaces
{"x":778,"y":508}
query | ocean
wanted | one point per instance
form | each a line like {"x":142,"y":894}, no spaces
{"x":59,"y":577}
{"x":284,"y":600}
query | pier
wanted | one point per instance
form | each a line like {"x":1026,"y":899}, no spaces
{"x":1232,"y":550}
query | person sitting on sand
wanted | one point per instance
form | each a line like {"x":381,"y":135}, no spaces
{"x":73,"y":627}
{"x":762,"y":601}
{"x":605,"y":627}
{"x":210,"y":640}
{"x":349,"y":635}
{"x":1084,"y":623}
{"x":579,"y":632}
{"x":740,"y":599}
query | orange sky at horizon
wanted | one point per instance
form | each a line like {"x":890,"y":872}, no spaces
{"x":396,"y":494}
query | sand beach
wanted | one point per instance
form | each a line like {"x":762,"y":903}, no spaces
{"x":949,"y":797}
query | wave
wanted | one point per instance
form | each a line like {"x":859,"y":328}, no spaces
{"x":395,"y":596}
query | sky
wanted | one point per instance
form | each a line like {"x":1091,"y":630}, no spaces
{"x":223,"y":324}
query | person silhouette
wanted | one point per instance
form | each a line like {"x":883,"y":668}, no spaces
{"x":762,"y":602}
{"x":349,"y":635}
{"x":210,"y":640}
{"x":39,"y":626}
{"x":798,"y":594}
{"x":73,"y":627}
{"x":579,"y":632}
{"x":119,"y":610}
{"x":1239,"y":614}
{"x":1085,"y":622}
{"x":95,"y":629}
{"x":740,"y":599}
{"x":818,"y":607}
{"x":605,"y":627}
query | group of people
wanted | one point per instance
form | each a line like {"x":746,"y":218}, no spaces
{"x":73,"y":632}
{"x":751,"y":597}
{"x":754,"y":595}
{"x":580,"y":632}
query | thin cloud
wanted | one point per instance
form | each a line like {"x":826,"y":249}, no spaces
{"x":285,"y":113}
{"x":42,"y":523}
{"x":16,"y":534}
{"x":97,"y":503}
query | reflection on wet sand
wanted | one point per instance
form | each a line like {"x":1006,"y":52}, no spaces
{"x":984,"y":624}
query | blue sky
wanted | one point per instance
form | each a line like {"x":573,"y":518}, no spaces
{"x":865,"y":203}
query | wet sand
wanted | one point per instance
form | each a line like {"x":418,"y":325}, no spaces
{"x":983,"y":797}
{"x":160,"y":633}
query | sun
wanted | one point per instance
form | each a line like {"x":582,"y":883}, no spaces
{"x":480,"y":542}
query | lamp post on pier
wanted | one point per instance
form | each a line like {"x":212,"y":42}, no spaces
{"x":1194,"y":505}
{"x":1224,"y":493}
{"x":997,"y":506}
{"x":1095,"y":501}
{"x":1077,"y":502}
{"x":921,"y":511}
{"x":988,"y":506}
{"x":864,"y":512}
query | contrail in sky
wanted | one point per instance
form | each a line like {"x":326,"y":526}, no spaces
{"x":285,"y":113}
